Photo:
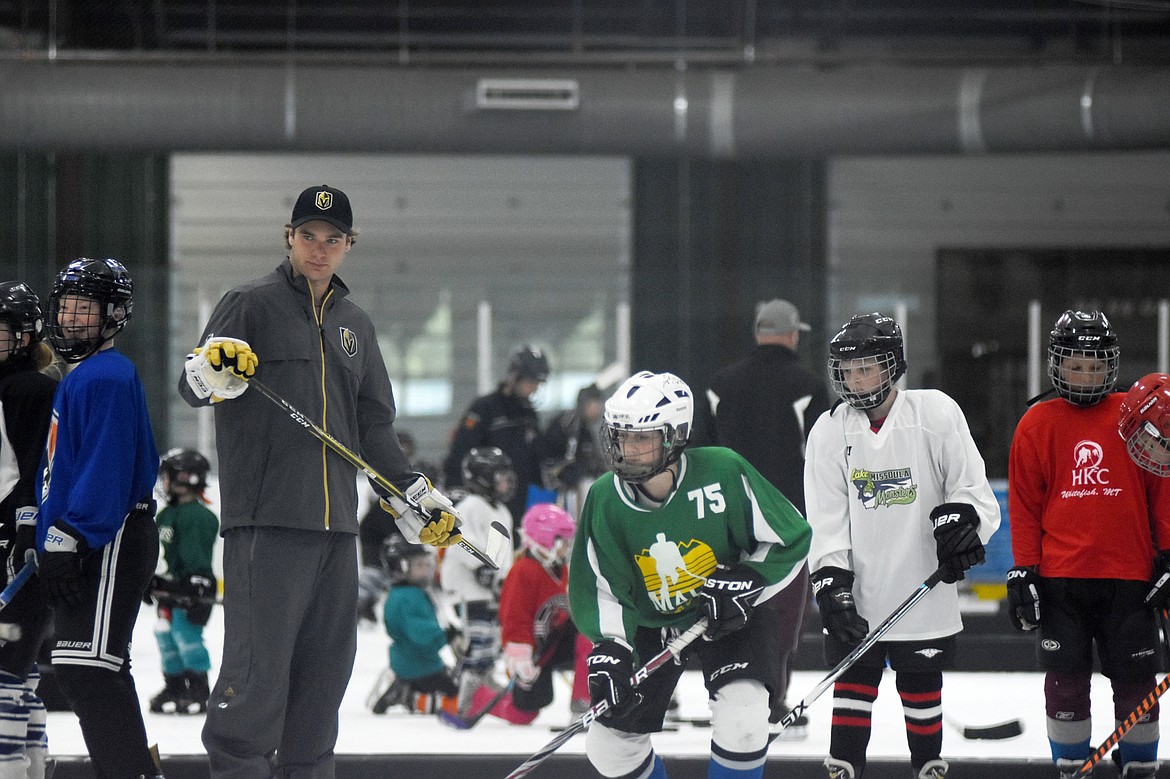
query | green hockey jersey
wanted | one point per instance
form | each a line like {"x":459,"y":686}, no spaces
{"x":634,"y":566}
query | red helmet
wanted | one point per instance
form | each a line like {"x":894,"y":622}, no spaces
{"x":1145,"y":423}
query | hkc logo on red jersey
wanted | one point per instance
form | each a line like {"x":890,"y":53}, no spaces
{"x":1087,"y":470}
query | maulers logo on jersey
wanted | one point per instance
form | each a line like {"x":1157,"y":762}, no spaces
{"x":875,"y":489}
{"x":673,"y":571}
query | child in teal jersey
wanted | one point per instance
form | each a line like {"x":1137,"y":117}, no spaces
{"x":663,"y":539}
{"x":422,"y":681}
{"x":185,"y":595}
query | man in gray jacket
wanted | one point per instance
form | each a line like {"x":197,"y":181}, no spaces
{"x":289,"y":518}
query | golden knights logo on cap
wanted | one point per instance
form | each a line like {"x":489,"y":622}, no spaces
{"x":324,"y":200}
{"x":348,"y":337}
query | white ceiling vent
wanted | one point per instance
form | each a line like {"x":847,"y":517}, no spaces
{"x":527,"y":94}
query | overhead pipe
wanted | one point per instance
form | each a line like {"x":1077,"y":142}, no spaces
{"x":764,"y":110}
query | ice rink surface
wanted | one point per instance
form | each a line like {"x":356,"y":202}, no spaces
{"x":972,"y":698}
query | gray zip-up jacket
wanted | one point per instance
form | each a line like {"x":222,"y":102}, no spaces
{"x":273,"y":472}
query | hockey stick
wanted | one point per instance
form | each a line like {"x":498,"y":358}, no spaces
{"x":467,"y":723}
{"x":551,"y":646}
{"x":499,"y":541}
{"x":866,"y":644}
{"x":22,"y":576}
{"x":1131,"y":719}
{"x":672,"y":651}
{"x":997,"y":732}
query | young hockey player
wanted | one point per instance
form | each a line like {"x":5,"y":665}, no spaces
{"x":26,"y":406}
{"x":186,"y":593}
{"x":95,"y":530}
{"x":1145,"y":423}
{"x":895,"y":489}
{"x":667,"y":537}
{"x":473,"y":588}
{"x":1087,"y":525}
{"x":422,"y":682}
{"x":535,"y":626}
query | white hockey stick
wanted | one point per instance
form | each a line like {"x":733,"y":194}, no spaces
{"x":495,"y":546}
{"x":866,"y":644}
{"x":671,"y":652}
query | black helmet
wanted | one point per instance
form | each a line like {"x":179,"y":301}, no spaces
{"x":20,"y":309}
{"x":875,"y":339}
{"x":1083,"y":335}
{"x":397,"y":554}
{"x":488,"y":472}
{"x":529,"y":363}
{"x":108,"y":284}
{"x":185,"y":466}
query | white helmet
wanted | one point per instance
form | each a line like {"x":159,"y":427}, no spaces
{"x":648,"y":401}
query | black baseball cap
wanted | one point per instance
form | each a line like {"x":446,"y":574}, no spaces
{"x":325,"y":203}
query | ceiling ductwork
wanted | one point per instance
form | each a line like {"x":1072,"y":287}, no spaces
{"x":719,"y":112}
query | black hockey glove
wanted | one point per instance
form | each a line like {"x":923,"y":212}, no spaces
{"x":24,"y":539}
{"x":1023,"y":592}
{"x":956,"y":538}
{"x":611,"y":668}
{"x":198,"y":598}
{"x":158,"y":590}
{"x":1159,"y":593}
{"x":728,"y":598}
{"x":60,"y":566}
{"x":833,"y":590}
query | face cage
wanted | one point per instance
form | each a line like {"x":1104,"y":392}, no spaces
{"x":636,"y":473}
{"x":886,"y":361}
{"x":1149,"y":449}
{"x":1083,"y":394}
{"x":72,"y":349}
{"x":562,"y":548}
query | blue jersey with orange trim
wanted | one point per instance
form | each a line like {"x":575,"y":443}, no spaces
{"x":100,"y":458}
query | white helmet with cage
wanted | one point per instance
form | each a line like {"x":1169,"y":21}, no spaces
{"x":647,"y":402}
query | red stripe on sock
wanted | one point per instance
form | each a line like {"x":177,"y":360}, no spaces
{"x":851,"y":722}
{"x":923,"y":730}
{"x":861,"y":689}
{"x":921,"y":697}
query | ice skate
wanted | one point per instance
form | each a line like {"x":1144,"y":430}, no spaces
{"x":171,"y":697}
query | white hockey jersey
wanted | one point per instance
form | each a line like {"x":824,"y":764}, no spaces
{"x":457,"y":573}
{"x":869,"y":497}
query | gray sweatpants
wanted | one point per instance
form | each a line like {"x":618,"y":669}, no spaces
{"x":289,"y":642}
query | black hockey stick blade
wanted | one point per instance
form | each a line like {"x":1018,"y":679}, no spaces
{"x":996,"y":732}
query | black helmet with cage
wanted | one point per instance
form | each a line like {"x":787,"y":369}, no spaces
{"x":1083,"y":357}
{"x":108,"y":285}
{"x":185,"y":466}
{"x":528,"y":363}
{"x":20,"y":309}
{"x":399,"y":556}
{"x":488,"y":472}
{"x":867,"y":340}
